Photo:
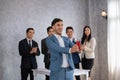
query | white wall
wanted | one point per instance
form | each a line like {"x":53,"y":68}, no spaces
{"x":17,"y":15}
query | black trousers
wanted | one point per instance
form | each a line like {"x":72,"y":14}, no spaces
{"x":47,"y":67}
{"x":87,"y":64}
{"x":78,"y":67}
{"x":25,"y":72}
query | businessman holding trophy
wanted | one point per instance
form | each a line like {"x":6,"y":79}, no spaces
{"x":61,"y":48}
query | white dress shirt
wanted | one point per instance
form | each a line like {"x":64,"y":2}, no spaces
{"x":61,"y":43}
{"x":71,"y":39}
{"x":30,"y":41}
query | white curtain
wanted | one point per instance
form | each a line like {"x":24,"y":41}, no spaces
{"x":114,"y":39}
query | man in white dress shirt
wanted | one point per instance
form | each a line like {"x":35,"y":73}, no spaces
{"x":60,"y":47}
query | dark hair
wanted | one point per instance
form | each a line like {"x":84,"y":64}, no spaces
{"x":49,"y":28}
{"x":69,"y":27}
{"x":55,"y":20}
{"x":27,"y":30}
{"x":84,"y":36}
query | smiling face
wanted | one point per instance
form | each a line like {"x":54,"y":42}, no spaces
{"x":30,"y":34}
{"x":50,"y":32}
{"x":70,"y":33}
{"x":58,"y":27}
{"x":87,"y":31}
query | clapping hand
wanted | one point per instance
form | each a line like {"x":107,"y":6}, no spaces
{"x":74,"y":49}
{"x":82,"y":47}
{"x":34,"y":50}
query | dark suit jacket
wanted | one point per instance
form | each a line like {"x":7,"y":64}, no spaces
{"x":75,"y":56}
{"x":28,"y":60}
{"x":45,"y":51}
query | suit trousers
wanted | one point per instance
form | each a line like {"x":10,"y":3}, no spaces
{"x":25,"y":72}
{"x":62,"y":74}
{"x":47,"y":67}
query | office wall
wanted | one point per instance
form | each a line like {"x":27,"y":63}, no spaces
{"x":102,"y":40}
{"x":100,"y":70}
{"x":17,"y":15}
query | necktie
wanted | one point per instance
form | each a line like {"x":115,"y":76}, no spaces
{"x":30,"y":43}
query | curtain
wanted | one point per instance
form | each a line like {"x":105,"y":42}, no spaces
{"x":114,"y":39}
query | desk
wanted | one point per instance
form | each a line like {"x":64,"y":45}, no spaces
{"x":44,"y":71}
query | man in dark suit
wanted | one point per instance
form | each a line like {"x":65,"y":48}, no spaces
{"x":45,"y":50}
{"x":28,"y":49}
{"x":75,"y":56}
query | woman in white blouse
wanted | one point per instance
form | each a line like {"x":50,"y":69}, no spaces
{"x":88,"y":46}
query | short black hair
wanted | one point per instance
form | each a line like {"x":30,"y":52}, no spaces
{"x":55,"y":20}
{"x":27,"y":30}
{"x":69,"y":27}
{"x":49,"y":28}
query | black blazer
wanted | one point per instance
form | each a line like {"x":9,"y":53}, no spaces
{"x":28,"y":60}
{"x":75,"y":56}
{"x":45,"y":51}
